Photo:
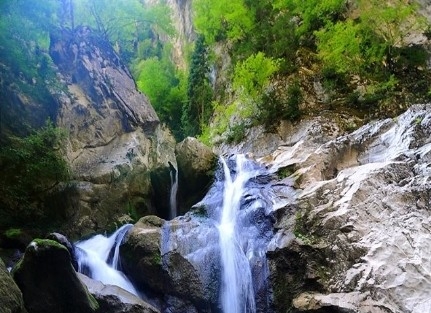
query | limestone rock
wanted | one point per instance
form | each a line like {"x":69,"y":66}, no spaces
{"x":48,"y":281}
{"x":358,"y":229}
{"x":113,"y":299}
{"x":196,"y":166}
{"x":10,"y":296}
{"x":117,"y":148}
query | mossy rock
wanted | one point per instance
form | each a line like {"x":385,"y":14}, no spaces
{"x":10,"y":296}
{"x":48,"y":281}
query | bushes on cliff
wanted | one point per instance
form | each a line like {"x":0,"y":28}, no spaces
{"x":30,"y":167}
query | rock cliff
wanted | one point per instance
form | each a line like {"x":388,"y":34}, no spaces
{"x":356,"y":236}
{"x":117,"y":149}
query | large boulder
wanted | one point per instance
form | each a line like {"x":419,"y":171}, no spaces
{"x":113,"y":299}
{"x":10,"y":296}
{"x":196,"y":166}
{"x":180,"y":271}
{"x":48,"y":281}
{"x":356,"y":236}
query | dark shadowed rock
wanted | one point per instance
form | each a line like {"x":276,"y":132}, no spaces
{"x":196,"y":166}
{"x":10,"y":296}
{"x":69,"y":246}
{"x":48,"y":281}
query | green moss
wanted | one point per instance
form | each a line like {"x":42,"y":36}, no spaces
{"x":48,"y":243}
{"x":94,"y":305}
{"x":301,"y":232}
{"x":286,"y":171}
{"x":13,"y":233}
{"x":156,"y":259}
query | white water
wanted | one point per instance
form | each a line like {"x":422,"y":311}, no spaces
{"x":94,"y":259}
{"x":237,"y":286}
{"x":173,"y":195}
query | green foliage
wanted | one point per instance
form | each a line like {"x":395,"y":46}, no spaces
{"x":339,"y":47}
{"x":372,"y":46}
{"x":236,"y":133}
{"x":30,"y":167}
{"x":125,"y":23}
{"x":165,"y":86}
{"x":197,"y":110}
{"x":273,"y":33}
{"x":252,"y":76}
{"x":313,"y":14}
{"x":23,"y":44}
{"x":277,"y":106}
{"x":222,"y":19}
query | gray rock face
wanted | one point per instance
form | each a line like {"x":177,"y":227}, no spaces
{"x":48,"y":281}
{"x":10,"y":296}
{"x":104,"y":86}
{"x":196,"y":166}
{"x":357,"y":238}
{"x":117,"y":148}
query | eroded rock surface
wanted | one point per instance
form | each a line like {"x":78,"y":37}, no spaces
{"x":357,"y":237}
{"x":170,"y":272}
{"x":117,"y":148}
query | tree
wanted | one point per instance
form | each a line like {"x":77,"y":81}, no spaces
{"x":222,"y":19}
{"x":125,"y":23}
{"x":392,"y":23}
{"x":339,"y":46}
{"x":166,"y":88}
{"x":312,"y":14}
{"x":197,"y":110}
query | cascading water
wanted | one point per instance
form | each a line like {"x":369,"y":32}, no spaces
{"x":237,"y":287}
{"x":98,"y":258}
{"x":225,"y":238}
{"x":244,"y":228}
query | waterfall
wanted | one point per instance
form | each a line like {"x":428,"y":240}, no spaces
{"x":237,"y":294}
{"x":98,"y":258}
{"x":174,"y":190}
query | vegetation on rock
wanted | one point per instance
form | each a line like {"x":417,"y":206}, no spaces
{"x":365,"y":54}
{"x":31,"y":166}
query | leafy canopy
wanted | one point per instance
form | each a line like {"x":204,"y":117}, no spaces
{"x":222,"y":19}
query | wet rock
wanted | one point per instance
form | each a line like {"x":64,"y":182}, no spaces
{"x":113,"y":299}
{"x":356,"y":238}
{"x":48,"y":281}
{"x":10,"y":296}
{"x":171,"y":272}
